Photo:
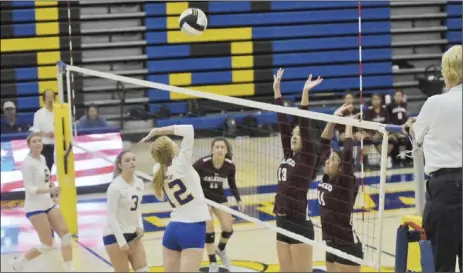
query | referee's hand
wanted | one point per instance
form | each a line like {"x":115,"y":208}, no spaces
{"x":407,"y":128}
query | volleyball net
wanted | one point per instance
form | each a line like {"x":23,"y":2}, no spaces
{"x":252,"y":129}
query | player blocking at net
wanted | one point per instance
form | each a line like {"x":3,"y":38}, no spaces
{"x":336,"y":195}
{"x":174,"y":176}
{"x":294,"y":175}
{"x":125,"y":224}
{"x":40,"y":208}
{"x":214,"y":170}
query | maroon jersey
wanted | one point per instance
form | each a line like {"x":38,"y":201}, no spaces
{"x":381,"y":116}
{"x":295,"y":171}
{"x":212,"y":179}
{"x":336,"y":196}
{"x":397,"y":113}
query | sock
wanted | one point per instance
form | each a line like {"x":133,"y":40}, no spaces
{"x":212,"y":258}
{"x":68,"y":266}
{"x":222,"y":246}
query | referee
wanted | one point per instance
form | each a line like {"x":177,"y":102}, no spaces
{"x":44,"y":123}
{"x":438,"y":128}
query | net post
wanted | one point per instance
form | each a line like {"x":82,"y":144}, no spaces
{"x":382,"y":190}
{"x":59,"y":78}
{"x":68,"y":87}
{"x":418,"y":171}
{"x":65,"y":166}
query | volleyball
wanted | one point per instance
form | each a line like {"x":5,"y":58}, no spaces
{"x":193,"y":21}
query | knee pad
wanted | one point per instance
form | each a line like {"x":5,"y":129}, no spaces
{"x":66,"y":239}
{"x":226,"y":234}
{"x":210,"y":238}
{"x":44,"y":248}
{"x":143,"y":269}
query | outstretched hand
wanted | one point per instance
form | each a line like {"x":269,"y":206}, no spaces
{"x":309,"y":84}
{"x":151,"y":134}
{"x":340,"y":111}
{"x":277,"y":80}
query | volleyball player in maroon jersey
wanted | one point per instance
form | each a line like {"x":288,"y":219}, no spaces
{"x":336,"y":195}
{"x":214,"y":170}
{"x":294,"y":177}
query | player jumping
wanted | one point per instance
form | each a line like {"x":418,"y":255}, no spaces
{"x":125,"y":224}
{"x":294,"y":175}
{"x":336,"y":196}
{"x":40,"y":208}
{"x":214,"y":170}
{"x":174,"y":176}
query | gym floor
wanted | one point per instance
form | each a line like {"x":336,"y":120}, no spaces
{"x":252,"y":247}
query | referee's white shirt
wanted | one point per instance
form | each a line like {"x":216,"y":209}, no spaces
{"x":44,"y":121}
{"x":438,"y":127}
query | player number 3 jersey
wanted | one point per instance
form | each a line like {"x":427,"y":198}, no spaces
{"x":124,"y":213}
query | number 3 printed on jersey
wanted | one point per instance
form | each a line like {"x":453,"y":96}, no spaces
{"x":282,"y":174}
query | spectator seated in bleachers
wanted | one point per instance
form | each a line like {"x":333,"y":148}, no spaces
{"x":9,"y":123}
{"x":377,"y":112}
{"x":398,"y":115}
{"x":92,"y":119}
{"x":349,"y":99}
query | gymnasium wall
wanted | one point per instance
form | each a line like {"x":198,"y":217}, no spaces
{"x":246,"y":41}
{"x":454,"y":23}
{"x":34,"y":37}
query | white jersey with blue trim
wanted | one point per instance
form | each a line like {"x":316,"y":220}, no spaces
{"x":182,"y":185}
{"x":123,"y":204}
{"x":36,"y":175}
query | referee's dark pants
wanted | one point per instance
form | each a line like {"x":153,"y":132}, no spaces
{"x":49,"y":153}
{"x":442,"y":217}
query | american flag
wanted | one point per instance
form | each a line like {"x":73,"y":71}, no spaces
{"x":90,"y":169}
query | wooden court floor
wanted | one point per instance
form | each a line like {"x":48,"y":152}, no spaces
{"x":252,"y":247}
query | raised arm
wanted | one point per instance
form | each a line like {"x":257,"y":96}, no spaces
{"x":348,"y":158}
{"x":328,"y":133}
{"x":113,"y":196}
{"x":185,"y":131}
{"x":283,"y":121}
{"x":308,"y":148}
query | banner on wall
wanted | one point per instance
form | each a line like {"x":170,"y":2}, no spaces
{"x":90,"y":169}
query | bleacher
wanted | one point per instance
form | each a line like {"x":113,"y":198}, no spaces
{"x":34,"y":37}
{"x":454,"y":22}
{"x":245,"y":43}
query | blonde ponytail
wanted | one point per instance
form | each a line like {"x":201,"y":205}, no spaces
{"x":162,"y":151}
{"x":158,"y":181}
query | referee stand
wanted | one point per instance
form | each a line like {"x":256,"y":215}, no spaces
{"x":406,"y":236}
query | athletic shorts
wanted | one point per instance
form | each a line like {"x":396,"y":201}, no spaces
{"x":111,"y":239}
{"x":46,"y":211}
{"x":179,"y":236}
{"x":216,"y":196}
{"x":354,"y":249}
{"x":301,"y":227}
